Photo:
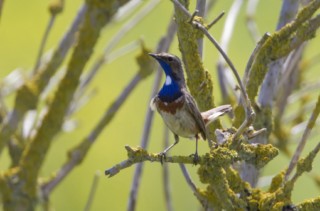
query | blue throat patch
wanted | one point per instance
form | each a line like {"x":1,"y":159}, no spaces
{"x":169,"y":91}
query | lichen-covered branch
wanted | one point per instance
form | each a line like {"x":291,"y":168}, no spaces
{"x":215,"y":170}
{"x":310,"y":204}
{"x":305,"y":164}
{"x":97,"y":15}
{"x":258,"y":155}
{"x":28,"y":95}
{"x":138,"y":155}
{"x":281,"y":43}
{"x":78,"y":153}
{"x":267,"y":92}
{"x":198,"y":79}
{"x":196,"y":23}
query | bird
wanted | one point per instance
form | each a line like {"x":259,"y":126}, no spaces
{"x":178,"y":108}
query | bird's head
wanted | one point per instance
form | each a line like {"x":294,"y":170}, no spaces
{"x":171,"y":65}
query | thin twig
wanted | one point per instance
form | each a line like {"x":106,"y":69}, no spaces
{"x":313,"y":153}
{"x":93,"y":190}
{"x":43,"y":43}
{"x":188,"y":178}
{"x":299,"y":128}
{"x":165,"y":173}
{"x":162,"y":46}
{"x":303,"y":140}
{"x":216,"y":20}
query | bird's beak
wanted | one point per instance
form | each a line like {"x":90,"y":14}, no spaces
{"x":153,"y":55}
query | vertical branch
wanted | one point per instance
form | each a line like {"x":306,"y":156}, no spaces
{"x":290,"y":76}
{"x":193,"y":187}
{"x":165,"y":173}
{"x":201,"y":8}
{"x":92,"y":191}
{"x":281,"y":44}
{"x":250,"y":115}
{"x":288,"y":81}
{"x":199,"y":80}
{"x":55,"y":8}
{"x":162,"y":46}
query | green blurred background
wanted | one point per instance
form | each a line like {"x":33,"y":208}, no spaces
{"x":21,"y":29}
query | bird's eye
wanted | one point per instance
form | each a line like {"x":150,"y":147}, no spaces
{"x":170,"y":59}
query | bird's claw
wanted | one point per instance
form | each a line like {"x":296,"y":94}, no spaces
{"x":162,"y":156}
{"x":196,"y":158}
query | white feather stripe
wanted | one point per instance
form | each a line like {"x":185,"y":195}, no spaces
{"x":168,"y":81}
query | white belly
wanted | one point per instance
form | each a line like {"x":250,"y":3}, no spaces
{"x":182,"y":123}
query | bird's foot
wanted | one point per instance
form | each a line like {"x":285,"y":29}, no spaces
{"x":162,"y":156}
{"x":196,"y":158}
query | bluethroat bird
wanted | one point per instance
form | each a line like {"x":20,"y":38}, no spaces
{"x":178,"y":108}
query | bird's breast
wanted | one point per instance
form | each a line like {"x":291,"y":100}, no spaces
{"x":170,"y":107}
{"x":177,"y":117}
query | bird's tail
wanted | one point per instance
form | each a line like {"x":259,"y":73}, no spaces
{"x":213,"y":114}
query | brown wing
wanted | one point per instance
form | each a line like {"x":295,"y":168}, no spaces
{"x":194,"y":111}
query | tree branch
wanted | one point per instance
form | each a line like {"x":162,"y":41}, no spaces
{"x":55,"y":8}
{"x":258,"y":155}
{"x":28,"y":95}
{"x":199,"y":80}
{"x":97,"y":16}
{"x":304,"y":139}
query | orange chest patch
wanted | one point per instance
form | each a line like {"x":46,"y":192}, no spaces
{"x":172,"y":107}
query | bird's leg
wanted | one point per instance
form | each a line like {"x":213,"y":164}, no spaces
{"x":195,"y":155}
{"x":163,"y":153}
